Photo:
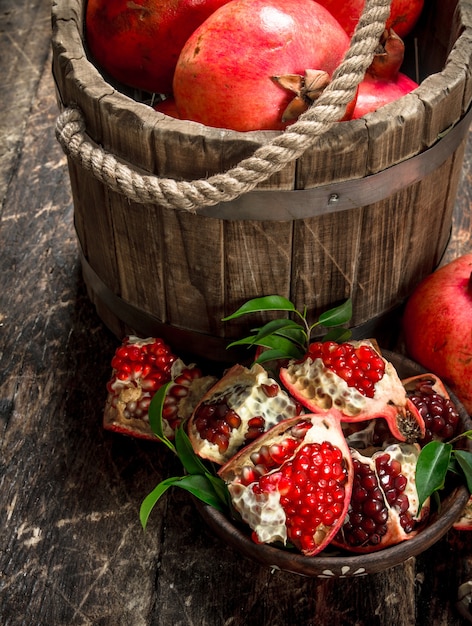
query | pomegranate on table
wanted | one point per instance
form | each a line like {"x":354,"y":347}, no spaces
{"x":437,"y":325}
{"x":354,"y":381}
{"x":383,"y":81}
{"x":140,"y":368}
{"x":293,"y":484}
{"x":138,"y":43}
{"x":224,"y":75}
{"x":403,"y":14}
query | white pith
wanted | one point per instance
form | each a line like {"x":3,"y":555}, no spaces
{"x":248,"y":399}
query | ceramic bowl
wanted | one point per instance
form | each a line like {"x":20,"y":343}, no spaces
{"x":337,"y":564}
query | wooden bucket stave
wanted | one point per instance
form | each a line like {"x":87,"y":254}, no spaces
{"x":153,"y":270}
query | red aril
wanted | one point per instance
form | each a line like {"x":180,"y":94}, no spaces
{"x":403,"y":14}
{"x":293,"y":484}
{"x":223,"y":77}
{"x":241,"y":406}
{"x":383,"y":82}
{"x":434,"y":404}
{"x":354,"y":381}
{"x":140,"y":368}
{"x":138,"y":43}
{"x":383,"y":510}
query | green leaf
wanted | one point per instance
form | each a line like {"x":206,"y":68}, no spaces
{"x":258,"y":305}
{"x":190,"y":460}
{"x":286,"y":347}
{"x":204,"y":487}
{"x":431,"y":469}
{"x":270,"y":355}
{"x":337,"y":334}
{"x":337,"y":316}
{"x":220,"y":488}
{"x":284,"y":327}
{"x":155,"y":416}
{"x":464,"y":459}
{"x":201,"y":486}
{"x":151,"y":499}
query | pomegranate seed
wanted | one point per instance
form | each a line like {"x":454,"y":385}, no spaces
{"x":360,"y":367}
{"x":439,"y":413}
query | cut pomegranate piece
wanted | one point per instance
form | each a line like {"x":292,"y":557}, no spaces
{"x":354,"y":381}
{"x":293,"y":484}
{"x":140,"y":368}
{"x":237,"y":409}
{"x":383,"y":510}
{"x":440,"y":414}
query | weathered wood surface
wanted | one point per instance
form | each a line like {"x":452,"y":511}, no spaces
{"x":72,"y":551}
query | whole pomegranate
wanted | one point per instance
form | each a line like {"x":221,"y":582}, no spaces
{"x":403,"y":14}
{"x":437,"y":325}
{"x":224,"y":75}
{"x":383,"y":81}
{"x":138,"y":43}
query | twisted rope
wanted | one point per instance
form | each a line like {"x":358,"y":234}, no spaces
{"x":266,"y":160}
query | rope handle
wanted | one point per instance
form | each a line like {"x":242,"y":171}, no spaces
{"x":266,"y":160}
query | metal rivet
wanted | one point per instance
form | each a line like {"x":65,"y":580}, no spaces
{"x":334,"y":197}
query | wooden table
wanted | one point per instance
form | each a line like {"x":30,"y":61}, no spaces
{"x":72,"y":551}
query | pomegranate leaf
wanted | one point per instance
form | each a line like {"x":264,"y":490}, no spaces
{"x":155,"y":416}
{"x":288,"y":337}
{"x":191,"y":462}
{"x":337,"y":334}
{"x":464,"y":459}
{"x":198,"y":485}
{"x":276,"y":333}
{"x":259,"y":305}
{"x":199,"y":481}
{"x":431,"y":469}
{"x":337,"y":316}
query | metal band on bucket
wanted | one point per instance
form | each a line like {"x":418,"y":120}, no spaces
{"x":279,"y":205}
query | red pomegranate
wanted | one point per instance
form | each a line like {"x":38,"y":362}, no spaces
{"x":293,"y":484}
{"x":139,"y":368}
{"x":403,"y":14}
{"x":437,"y":325}
{"x":241,"y":406}
{"x":223,"y":77}
{"x":138,"y":43}
{"x":354,"y":381}
{"x":383,"y":510}
{"x":383,"y":82}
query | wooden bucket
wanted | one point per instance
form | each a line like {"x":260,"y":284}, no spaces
{"x":365,"y":215}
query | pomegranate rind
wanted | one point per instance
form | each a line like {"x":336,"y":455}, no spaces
{"x":241,"y":388}
{"x":320,"y":389}
{"x":117,"y":416}
{"x":263,"y":512}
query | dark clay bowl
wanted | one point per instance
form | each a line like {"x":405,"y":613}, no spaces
{"x":331,"y":564}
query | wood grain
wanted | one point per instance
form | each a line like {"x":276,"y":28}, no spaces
{"x":72,"y":551}
{"x":164,"y":264}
